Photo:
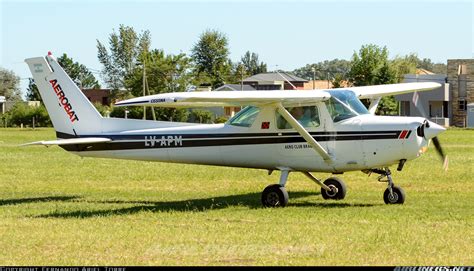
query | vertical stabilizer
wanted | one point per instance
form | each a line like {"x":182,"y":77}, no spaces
{"x":69,"y":109}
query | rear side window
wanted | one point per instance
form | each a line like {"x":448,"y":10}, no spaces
{"x":245,"y":117}
{"x":307,"y":116}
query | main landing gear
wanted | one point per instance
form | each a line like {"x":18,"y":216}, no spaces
{"x":275,"y":195}
{"x":393,"y":194}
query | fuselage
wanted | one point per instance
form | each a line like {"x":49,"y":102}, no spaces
{"x":357,"y":143}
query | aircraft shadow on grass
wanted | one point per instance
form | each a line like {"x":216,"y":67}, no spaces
{"x":249,"y":200}
{"x":17,"y":201}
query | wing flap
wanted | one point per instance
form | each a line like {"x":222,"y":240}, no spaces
{"x":70,"y":141}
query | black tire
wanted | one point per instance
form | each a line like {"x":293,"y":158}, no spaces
{"x":397,"y":198}
{"x":275,"y":195}
{"x":334,"y":182}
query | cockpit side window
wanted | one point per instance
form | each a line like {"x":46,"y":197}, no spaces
{"x":307,"y":116}
{"x":245,"y":117}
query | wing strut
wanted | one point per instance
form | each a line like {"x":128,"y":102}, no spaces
{"x":373,"y":105}
{"x":302,"y":131}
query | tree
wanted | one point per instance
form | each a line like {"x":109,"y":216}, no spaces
{"x":21,"y":113}
{"x":9,"y":85}
{"x":125,"y":48}
{"x":252,"y":65}
{"x":372,"y":67}
{"x":211,"y":58}
{"x":404,"y":65}
{"x":200,"y":116}
{"x":238,"y":73}
{"x":321,"y":69}
{"x":78,"y":72}
{"x":165,"y":73}
{"x":337,"y":80}
{"x":32,"y":92}
{"x":440,"y":68}
{"x":427,"y":64}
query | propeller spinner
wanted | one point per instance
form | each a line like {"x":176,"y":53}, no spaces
{"x":430,"y":130}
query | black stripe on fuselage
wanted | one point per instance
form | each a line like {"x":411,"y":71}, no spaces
{"x":158,"y":141}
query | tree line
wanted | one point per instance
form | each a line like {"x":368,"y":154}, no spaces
{"x":130,"y":68}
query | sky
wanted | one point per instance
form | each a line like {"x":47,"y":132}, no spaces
{"x":285,"y":34}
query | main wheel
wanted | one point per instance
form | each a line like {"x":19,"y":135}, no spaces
{"x":397,"y":197}
{"x":338,"y":189}
{"x":274,"y":195}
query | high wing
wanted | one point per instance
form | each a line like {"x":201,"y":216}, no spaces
{"x":259,"y":98}
{"x":229,"y":98}
{"x":374,"y":92}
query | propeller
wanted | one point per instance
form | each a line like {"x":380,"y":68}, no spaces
{"x":429,"y":130}
{"x":441,"y":153}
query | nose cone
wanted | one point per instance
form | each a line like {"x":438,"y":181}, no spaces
{"x":433,"y":130}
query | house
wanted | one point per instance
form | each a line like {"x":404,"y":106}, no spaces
{"x":470,"y":115}
{"x":5,"y":104}
{"x":461,"y":82}
{"x":322,"y":84}
{"x":435,"y":103}
{"x":3,"y":101}
{"x":235,"y":87}
{"x":447,"y":105}
{"x":95,"y":95}
{"x":275,"y":81}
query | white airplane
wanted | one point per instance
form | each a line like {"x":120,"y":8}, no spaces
{"x":290,"y":131}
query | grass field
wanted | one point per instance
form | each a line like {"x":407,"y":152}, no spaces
{"x":60,"y":209}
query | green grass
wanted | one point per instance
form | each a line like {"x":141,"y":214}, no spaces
{"x":60,"y":209}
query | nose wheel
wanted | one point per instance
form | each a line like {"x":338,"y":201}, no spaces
{"x":393,"y":194}
{"x":396,"y":196}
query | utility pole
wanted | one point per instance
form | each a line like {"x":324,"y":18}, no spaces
{"x":144,"y":88}
{"x":328,"y":77}
{"x":241,"y":77}
{"x":314,"y":76}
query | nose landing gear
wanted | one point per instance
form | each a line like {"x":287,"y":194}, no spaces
{"x":393,"y":194}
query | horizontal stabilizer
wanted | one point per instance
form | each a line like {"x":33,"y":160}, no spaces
{"x":70,"y":141}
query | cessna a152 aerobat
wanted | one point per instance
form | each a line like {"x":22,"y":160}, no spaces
{"x":290,"y":131}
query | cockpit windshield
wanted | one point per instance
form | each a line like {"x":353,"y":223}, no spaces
{"x":344,"y":104}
